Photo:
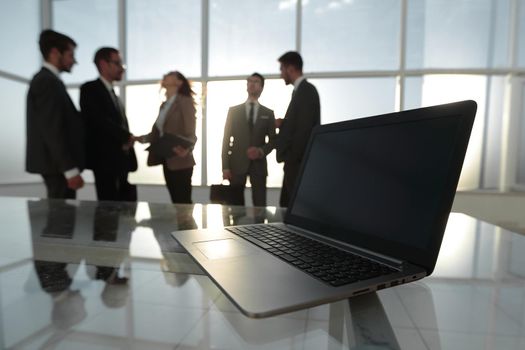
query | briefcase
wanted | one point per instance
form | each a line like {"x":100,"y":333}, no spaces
{"x":227,"y":194}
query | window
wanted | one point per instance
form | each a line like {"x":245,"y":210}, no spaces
{"x":248,"y":36}
{"x":350,"y":35}
{"x":436,"y":89}
{"x":19,"y":30}
{"x":344,"y":99}
{"x":13,"y":140}
{"x":520,"y":180}
{"x":457,"y":34}
{"x":454,"y":49}
{"x":92,"y":24}
{"x":163,"y":35}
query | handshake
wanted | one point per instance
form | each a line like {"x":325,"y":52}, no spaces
{"x":132,"y":139}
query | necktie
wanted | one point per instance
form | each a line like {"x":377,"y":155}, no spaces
{"x":118,"y":105}
{"x":252,"y":115}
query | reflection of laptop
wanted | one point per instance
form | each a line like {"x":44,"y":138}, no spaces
{"x":369,"y":212}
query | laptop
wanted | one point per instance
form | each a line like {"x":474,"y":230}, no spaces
{"x":368,"y":212}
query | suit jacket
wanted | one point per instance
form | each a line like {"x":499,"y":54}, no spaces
{"x":180,"y":120}
{"x":54,"y":128}
{"x":237,"y":126}
{"x":303,"y":113}
{"x":106,"y":130}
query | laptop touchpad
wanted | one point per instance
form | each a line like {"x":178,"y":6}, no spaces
{"x":224,"y":248}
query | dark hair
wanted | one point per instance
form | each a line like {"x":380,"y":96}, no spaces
{"x":185,"y":88}
{"x":50,"y":39}
{"x":255,"y":74}
{"x":292,"y":58}
{"x":103,"y":54}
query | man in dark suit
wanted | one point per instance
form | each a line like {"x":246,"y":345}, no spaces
{"x":303,"y":113}
{"x":110,"y":152}
{"x":55,"y":131}
{"x":249,"y":135}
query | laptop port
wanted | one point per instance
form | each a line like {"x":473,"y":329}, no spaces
{"x":381,"y":286}
{"x":362,"y":291}
{"x":393,"y":284}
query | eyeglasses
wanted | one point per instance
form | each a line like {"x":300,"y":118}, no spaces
{"x":118,"y":63}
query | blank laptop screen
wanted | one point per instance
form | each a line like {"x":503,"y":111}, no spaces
{"x":382,"y":181}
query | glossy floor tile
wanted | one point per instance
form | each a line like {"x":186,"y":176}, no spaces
{"x":88,"y":275}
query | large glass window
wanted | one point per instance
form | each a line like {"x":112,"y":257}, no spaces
{"x":521,"y":34}
{"x":493,"y":136}
{"x":142,"y":109}
{"x":520,"y":177}
{"x":163,"y":35}
{"x":351,"y":35}
{"x":247,"y":36}
{"x":428,"y":90}
{"x":346,"y":45}
{"x":92,"y":24}
{"x":19,"y":30}
{"x":344,"y":99}
{"x":457,"y":33}
{"x":437,"y":89}
{"x":13,"y":133}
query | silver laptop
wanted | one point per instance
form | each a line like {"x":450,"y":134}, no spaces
{"x":368,"y":212}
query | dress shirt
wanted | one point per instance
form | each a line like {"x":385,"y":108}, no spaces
{"x":52,"y":68}
{"x":297,"y":82}
{"x":115,"y":99}
{"x":112,"y":93}
{"x":161,"y":119}
{"x":107,"y":84}
{"x":68,"y":174}
{"x":255,"y":109}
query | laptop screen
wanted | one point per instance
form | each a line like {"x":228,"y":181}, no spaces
{"x":379,"y":182}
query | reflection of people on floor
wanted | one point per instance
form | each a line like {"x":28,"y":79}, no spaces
{"x":56,"y":222}
{"x":53,"y":237}
{"x":68,"y":304}
{"x":246,"y":215}
{"x":105,"y":229}
{"x":168,"y":219}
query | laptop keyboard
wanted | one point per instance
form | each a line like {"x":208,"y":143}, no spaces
{"x":331,"y":265}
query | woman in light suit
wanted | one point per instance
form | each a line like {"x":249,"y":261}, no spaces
{"x":177,"y":117}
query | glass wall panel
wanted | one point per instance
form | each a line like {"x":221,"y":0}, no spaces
{"x":224,"y":94}
{"x":413,"y":92}
{"x":19,"y":31}
{"x":457,"y":33}
{"x":142,"y":109}
{"x":520,"y":44}
{"x":92,"y":24}
{"x":438,"y":89}
{"x":490,"y":143}
{"x":520,"y":176}
{"x":13,"y":133}
{"x":248,"y":36}
{"x":344,"y":99}
{"x":493,"y":141}
{"x":163,"y":35}
{"x":344,"y":35}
